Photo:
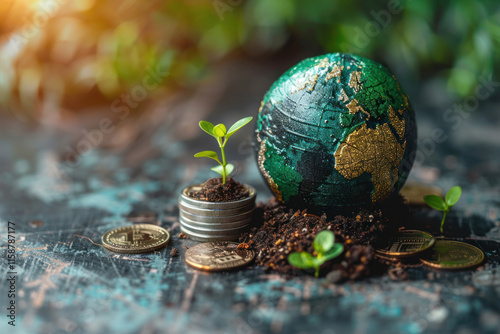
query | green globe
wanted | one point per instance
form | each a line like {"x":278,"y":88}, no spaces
{"x":335,"y":131}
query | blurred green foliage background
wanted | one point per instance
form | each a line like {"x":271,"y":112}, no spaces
{"x":61,"y":56}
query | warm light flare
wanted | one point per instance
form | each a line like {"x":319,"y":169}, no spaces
{"x":13,"y":12}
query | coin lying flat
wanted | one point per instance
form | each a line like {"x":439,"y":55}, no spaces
{"x":405,"y":243}
{"x":414,"y":192}
{"x":391,"y":258}
{"x":140,"y":238}
{"x":452,"y":255}
{"x":218,"y":256}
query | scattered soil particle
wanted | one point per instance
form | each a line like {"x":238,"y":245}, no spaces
{"x":183,"y":236}
{"x":35,"y":223}
{"x":174,"y":252}
{"x":279,"y":231}
{"x":397,"y":274}
{"x":214,"y":191}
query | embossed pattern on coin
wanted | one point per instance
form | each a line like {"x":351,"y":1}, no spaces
{"x":414,"y":192}
{"x":138,"y":238}
{"x":218,"y":256}
{"x":452,"y":255}
{"x":405,"y":243}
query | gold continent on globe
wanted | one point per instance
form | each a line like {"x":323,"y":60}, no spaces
{"x":333,"y":131}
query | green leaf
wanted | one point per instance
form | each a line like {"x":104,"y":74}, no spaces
{"x":207,"y":127}
{"x":238,"y":125}
{"x":229,"y":169}
{"x":208,"y":154}
{"x":435,"y":202}
{"x":220,"y":130}
{"x":318,"y":261}
{"x":453,"y":195}
{"x":324,"y":241}
{"x":336,"y":250}
{"x":302,"y":260}
{"x":219,"y":169}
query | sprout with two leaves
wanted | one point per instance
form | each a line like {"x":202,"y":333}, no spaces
{"x":220,"y":133}
{"x":436,"y":202}
{"x":326,"y":249}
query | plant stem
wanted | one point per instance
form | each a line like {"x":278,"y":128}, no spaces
{"x":316,"y":274}
{"x":442,"y":221}
{"x":223,"y":161}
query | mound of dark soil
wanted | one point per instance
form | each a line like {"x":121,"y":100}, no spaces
{"x":214,"y":191}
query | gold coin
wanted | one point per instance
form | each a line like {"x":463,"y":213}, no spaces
{"x":218,"y":256}
{"x":406,"y":261}
{"x":405,"y":243}
{"x":414,"y":192}
{"x":448,"y":254}
{"x":387,"y":258}
{"x":140,"y":238}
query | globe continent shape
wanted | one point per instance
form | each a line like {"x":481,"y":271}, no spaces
{"x":335,"y":131}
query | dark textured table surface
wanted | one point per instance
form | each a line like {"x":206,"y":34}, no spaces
{"x":66,"y":284}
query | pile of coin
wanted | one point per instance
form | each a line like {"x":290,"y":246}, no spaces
{"x":139,"y":238}
{"x":215,"y":221}
{"x":422,"y":246}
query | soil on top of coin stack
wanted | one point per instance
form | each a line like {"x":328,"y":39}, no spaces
{"x":214,"y":191}
{"x":279,"y":231}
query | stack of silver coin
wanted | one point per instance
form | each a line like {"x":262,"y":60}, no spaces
{"x":215,"y":221}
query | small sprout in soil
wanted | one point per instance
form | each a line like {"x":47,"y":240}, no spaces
{"x":220,"y":133}
{"x":326,"y":248}
{"x":436,"y":202}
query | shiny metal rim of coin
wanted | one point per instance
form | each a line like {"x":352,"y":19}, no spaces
{"x":133,"y":239}
{"x":215,"y":226}
{"x":214,"y":212}
{"x":220,"y":232}
{"x":452,"y":255}
{"x":218,"y":256}
{"x":414,"y":192}
{"x":394,"y":260}
{"x":206,"y":238}
{"x":387,"y":258}
{"x":217,"y":205}
{"x":216,"y":233}
{"x":406,"y":243}
{"x":217,"y":219}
